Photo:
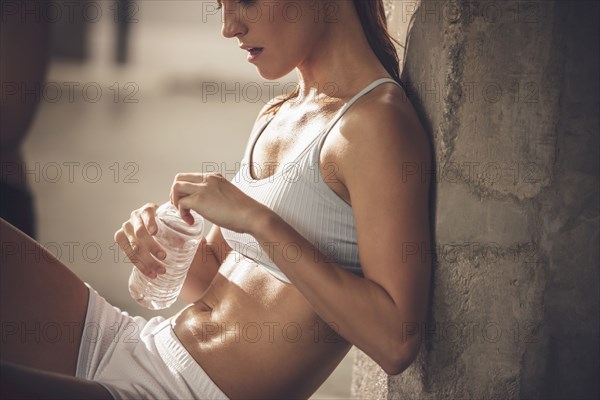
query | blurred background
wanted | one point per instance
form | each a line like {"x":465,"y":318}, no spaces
{"x":134,"y":92}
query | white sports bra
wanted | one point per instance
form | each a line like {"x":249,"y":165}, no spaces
{"x":300,"y":196}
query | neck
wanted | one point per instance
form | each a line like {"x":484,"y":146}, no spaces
{"x":342,"y":63}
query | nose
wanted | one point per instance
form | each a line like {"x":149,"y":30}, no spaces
{"x":232,"y":22}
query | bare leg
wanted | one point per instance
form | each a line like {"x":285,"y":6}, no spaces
{"x":27,"y":383}
{"x":42,"y":306}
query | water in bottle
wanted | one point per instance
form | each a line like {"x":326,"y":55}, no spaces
{"x":180,"y":242}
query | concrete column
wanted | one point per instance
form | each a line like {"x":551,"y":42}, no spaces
{"x":508,"y":91}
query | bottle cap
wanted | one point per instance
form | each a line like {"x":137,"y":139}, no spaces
{"x":169,"y":215}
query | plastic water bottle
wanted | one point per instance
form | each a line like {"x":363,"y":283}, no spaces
{"x":180,"y":242}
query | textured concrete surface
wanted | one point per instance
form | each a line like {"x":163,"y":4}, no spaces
{"x":509,"y":93}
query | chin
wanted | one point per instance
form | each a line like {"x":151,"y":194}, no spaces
{"x":270,"y":76}
{"x":273,"y":74}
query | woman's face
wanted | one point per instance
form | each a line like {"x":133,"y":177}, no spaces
{"x":287,"y":31}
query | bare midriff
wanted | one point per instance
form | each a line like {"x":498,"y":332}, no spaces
{"x":256,"y":336}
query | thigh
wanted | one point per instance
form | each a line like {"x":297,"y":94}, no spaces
{"x":18,"y":382}
{"x":42,"y":306}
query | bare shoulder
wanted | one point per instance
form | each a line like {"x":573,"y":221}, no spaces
{"x":380,"y":131}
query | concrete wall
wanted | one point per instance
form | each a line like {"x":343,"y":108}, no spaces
{"x":509,"y":93}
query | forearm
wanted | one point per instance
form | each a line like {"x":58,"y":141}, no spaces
{"x":358,"y":309}
{"x":202,"y":271}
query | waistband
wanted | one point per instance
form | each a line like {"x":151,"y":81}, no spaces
{"x":180,"y":361}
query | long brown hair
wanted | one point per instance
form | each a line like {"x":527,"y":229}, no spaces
{"x":374,"y":23}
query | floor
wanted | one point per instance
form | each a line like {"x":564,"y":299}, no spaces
{"x":117,"y":139}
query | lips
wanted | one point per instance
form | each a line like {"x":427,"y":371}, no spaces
{"x":253,"y":51}
{"x":250,"y":48}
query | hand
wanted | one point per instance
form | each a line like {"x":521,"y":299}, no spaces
{"x":136,"y":241}
{"x":217,"y":200}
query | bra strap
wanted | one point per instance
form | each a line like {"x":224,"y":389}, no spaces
{"x":340,"y":113}
{"x":357,"y":96}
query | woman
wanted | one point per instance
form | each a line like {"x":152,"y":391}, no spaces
{"x":320,"y":242}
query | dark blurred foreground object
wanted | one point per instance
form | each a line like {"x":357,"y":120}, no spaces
{"x":70,"y":33}
{"x":17,"y":207}
{"x":24,"y":54}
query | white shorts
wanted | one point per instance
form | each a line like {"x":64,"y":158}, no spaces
{"x":135,"y":358}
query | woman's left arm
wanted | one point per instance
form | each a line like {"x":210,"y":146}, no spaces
{"x":385,"y":166}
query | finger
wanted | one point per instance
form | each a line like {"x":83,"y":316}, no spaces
{"x":139,"y":224}
{"x":129,"y":250}
{"x":183,"y":178}
{"x":149,"y":217}
{"x":184,"y":211}
{"x":132,"y":252}
{"x":139,"y":254}
{"x":183,"y":189}
{"x":193,"y":177}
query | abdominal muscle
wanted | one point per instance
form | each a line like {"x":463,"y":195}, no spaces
{"x":256,"y":336}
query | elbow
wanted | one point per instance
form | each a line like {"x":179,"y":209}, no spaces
{"x":403,"y":356}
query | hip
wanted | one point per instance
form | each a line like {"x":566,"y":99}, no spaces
{"x":137,"y":358}
{"x":257,"y":337}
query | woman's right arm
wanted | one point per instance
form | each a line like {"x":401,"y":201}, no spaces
{"x":136,"y":240}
